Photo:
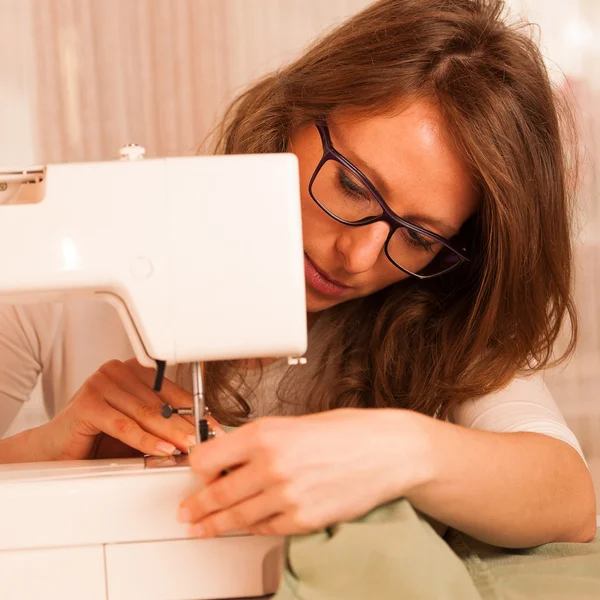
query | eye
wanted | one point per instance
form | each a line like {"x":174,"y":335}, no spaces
{"x":351,"y":187}
{"x":417,"y":240}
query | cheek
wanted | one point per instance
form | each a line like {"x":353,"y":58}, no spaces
{"x":318,"y":227}
{"x":385,"y":275}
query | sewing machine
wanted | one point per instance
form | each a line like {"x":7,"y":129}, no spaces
{"x":202,"y":258}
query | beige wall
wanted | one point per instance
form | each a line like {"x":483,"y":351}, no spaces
{"x":79,"y":78}
{"x":91,"y":75}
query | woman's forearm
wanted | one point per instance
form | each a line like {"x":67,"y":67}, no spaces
{"x":507,"y":489}
{"x":22,"y":447}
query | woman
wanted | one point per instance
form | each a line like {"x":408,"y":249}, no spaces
{"x":436,"y":205}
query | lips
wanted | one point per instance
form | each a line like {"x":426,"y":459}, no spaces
{"x":320,"y":281}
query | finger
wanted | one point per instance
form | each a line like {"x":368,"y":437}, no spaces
{"x":237,"y":518}
{"x":170,"y":393}
{"x":106,"y":419}
{"x":223,"y":453}
{"x":282,"y":524}
{"x":175,"y":430}
{"x":231,"y":489}
{"x":136,"y":380}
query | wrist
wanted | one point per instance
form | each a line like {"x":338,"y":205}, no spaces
{"x":23,"y":447}
{"x":411,"y":462}
{"x":43,"y":443}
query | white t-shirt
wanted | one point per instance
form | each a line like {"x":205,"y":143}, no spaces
{"x":65,"y":343}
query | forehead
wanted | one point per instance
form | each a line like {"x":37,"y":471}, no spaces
{"x":411,"y":159}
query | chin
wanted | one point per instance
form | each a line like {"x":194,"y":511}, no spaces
{"x":317,"y":303}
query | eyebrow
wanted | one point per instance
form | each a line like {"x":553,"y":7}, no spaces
{"x":373,"y":176}
{"x":381,"y":186}
{"x":419,"y":218}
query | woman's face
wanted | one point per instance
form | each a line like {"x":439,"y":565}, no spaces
{"x":409,"y":159}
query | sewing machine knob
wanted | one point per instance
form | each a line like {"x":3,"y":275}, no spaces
{"x":167,"y":411}
{"x":132,"y":152}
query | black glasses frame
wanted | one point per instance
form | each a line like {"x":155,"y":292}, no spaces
{"x":388,"y":216}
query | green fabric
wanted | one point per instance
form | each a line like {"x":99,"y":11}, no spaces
{"x":389,"y":553}
{"x":553,"y":571}
{"x":394,"y":553}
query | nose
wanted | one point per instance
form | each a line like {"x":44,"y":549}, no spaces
{"x":360,"y":247}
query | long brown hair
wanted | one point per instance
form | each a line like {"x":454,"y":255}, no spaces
{"x":428,"y":345}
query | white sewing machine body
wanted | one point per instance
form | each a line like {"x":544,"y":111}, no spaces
{"x":203,"y":259}
{"x":201,"y":256}
{"x":107,"y":529}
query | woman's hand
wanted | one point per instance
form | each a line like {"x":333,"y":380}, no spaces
{"x":116,"y":411}
{"x":290,"y":475}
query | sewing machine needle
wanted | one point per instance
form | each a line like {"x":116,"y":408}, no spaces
{"x":198,"y":393}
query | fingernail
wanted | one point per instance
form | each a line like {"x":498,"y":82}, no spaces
{"x":196,"y":530}
{"x":165,"y":448}
{"x":184,"y":515}
{"x":191,"y":439}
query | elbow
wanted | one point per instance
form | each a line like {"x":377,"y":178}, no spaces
{"x":586,"y":534}
{"x":588,"y":529}
{"x":582,"y":507}
{"x":586,"y":522}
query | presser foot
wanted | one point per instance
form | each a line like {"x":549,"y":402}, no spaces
{"x":205,"y":431}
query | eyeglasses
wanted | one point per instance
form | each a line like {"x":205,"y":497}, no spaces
{"x":348,"y":196}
